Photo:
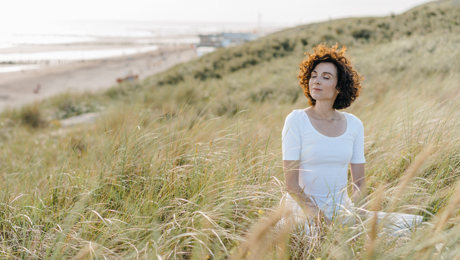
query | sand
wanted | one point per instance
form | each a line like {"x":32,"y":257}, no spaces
{"x":17,"y":88}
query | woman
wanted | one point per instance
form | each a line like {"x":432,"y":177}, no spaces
{"x":320,"y":142}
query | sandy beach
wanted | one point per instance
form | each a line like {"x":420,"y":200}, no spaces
{"x":89,"y":55}
{"x":17,"y":88}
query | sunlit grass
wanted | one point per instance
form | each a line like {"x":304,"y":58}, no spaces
{"x":141,"y":184}
{"x":191,"y":169}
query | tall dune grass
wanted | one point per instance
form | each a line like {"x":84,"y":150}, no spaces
{"x":144,"y":185}
{"x":189,"y":167}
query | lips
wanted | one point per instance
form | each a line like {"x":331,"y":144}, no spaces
{"x":317,"y":89}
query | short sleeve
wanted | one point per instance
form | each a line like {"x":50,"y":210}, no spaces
{"x":291,"y":138}
{"x":358,"y":145}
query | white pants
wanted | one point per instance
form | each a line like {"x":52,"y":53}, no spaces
{"x":396,"y":223}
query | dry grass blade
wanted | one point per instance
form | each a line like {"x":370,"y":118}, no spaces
{"x":283,"y":239}
{"x":370,"y":247}
{"x":449,"y":211}
{"x":87,"y":252}
{"x":256,"y":243}
{"x":409,"y":174}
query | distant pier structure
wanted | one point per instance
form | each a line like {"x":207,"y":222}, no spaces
{"x":209,"y":42}
{"x":224,"y":39}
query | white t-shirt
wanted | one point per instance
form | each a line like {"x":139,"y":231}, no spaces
{"x":323,"y":160}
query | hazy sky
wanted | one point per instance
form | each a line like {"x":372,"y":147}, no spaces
{"x":286,"y":11}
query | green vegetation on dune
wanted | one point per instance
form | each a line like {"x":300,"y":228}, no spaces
{"x":187,"y":164}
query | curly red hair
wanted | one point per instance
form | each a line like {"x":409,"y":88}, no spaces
{"x":348,"y":82}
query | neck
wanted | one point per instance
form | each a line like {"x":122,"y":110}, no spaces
{"x":324,"y":110}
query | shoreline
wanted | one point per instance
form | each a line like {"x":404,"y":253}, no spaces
{"x":17,"y":88}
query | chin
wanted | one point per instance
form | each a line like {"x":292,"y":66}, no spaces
{"x":316,"y":97}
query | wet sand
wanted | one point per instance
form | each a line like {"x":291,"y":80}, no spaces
{"x":17,"y":88}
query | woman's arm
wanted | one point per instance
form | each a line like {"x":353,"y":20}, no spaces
{"x":291,"y":177}
{"x":359,"y":185}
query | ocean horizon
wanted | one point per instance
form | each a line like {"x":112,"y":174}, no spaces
{"x":23,"y":46}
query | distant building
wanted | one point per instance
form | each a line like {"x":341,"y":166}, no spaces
{"x":225,"y":39}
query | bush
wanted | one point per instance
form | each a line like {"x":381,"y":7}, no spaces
{"x":123,"y":89}
{"x":69,"y":107}
{"x":227,"y":106}
{"x":361,"y":33}
{"x":32,"y":116}
{"x":171,"y":79}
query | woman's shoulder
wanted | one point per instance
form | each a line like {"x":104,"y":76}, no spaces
{"x":295,"y":113}
{"x":295,"y":118}
{"x":354,"y":119}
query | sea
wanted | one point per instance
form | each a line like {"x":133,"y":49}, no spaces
{"x":31,"y":45}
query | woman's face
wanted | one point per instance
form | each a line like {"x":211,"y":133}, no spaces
{"x":323,"y":82}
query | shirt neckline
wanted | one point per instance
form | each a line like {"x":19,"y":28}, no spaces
{"x":309,"y":122}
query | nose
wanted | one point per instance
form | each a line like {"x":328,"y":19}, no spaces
{"x":316,"y":81}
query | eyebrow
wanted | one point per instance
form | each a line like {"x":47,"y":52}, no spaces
{"x":323,"y":73}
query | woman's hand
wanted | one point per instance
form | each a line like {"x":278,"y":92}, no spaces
{"x":319,"y":217}
{"x":327,"y":221}
{"x":322,"y":216}
{"x":362,"y":212}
